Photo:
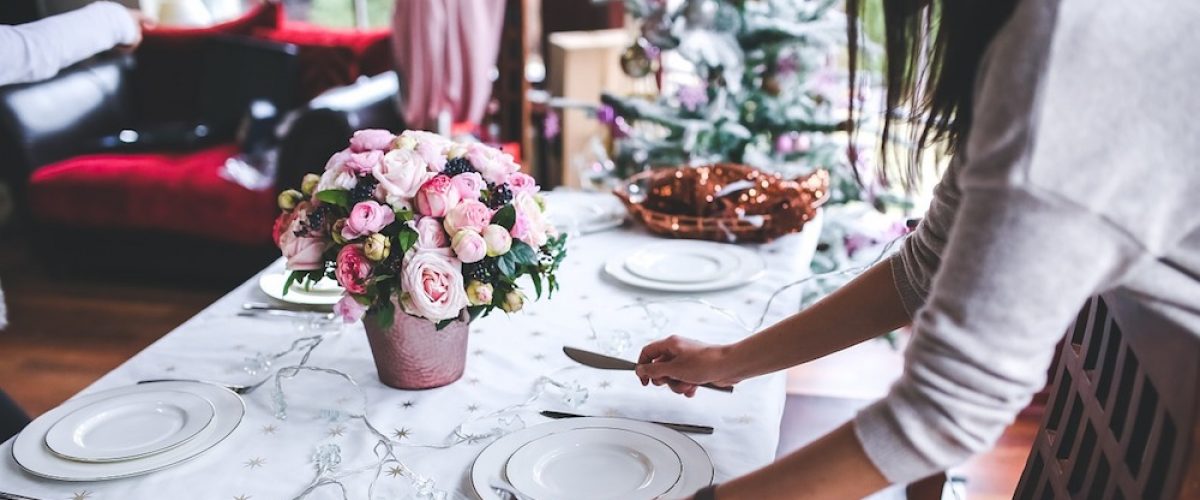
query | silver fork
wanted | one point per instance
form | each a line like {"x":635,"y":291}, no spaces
{"x":13,"y":496}
{"x":240,"y":390}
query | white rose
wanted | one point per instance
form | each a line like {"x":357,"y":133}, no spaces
{"x":401,"y":174}
{"x":537,"y":233}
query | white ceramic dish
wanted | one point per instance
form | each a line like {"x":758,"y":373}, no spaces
{"x":129,"y":426}
{"x":683,"y":261}
{"x":321,"y":293}
{"x":30,"y":453}
{"x":594,"y":464}
{"x":697,"y":468}
{"x":585,"y":212}
{"x":750,"y":268}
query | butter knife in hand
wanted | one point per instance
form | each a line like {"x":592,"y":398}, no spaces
{"x":692,"y":428}
{"x":596,"y":360}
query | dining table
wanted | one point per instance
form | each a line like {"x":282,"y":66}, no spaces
{"x":300,"y":437}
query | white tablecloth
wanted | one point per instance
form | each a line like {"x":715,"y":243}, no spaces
{"x":266,"y":458}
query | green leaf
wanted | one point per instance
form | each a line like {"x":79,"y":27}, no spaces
{"x":292,"y":277}
{"x":444,"y":323}
{"x":339,"y":197}
{"x":478,"y":311}
{"x":505,"y":217}
{"x":507,"y":264}
{"x":385,"y":314}
{"x":404,"y":215}
{"x":537,"y":283}
{"x":406,"y":239}
{"x":523,"y":253}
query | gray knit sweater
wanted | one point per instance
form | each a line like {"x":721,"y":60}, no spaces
{"x":1081,"y":175}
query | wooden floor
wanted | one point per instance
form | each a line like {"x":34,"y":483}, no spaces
{"x":66,"y":332}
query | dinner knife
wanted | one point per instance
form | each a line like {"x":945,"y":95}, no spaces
{"x":692,"y":428}
{"x":597,"y":360}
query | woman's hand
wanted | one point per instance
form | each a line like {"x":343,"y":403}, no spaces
{"x":683,"y":364}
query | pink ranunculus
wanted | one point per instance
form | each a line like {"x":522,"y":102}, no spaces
{"x":520,"y":182}
{"x":495,"y":165}
{"x":401,"y":174}
{"x":303,"y":253}
{"x":365,"y":218}
{"x":353,"y":270}
{"x":433,"y":286}
{"x":371,"y":140}
{"x":469,"y":246}
{"x":363,"y":163}
{"x":469,"y":214}
{"x":469,"y":185}
{"x":437,"y":196}
{"x":430,"y":235}
{"x":337,"y":159}
{"x":349,"y":309}
{"x":434,"y":154}
{"x":337,"y":175}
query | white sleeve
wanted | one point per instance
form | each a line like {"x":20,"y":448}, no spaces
{"x":38,"y":50}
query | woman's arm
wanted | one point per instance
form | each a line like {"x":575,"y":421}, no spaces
{"x":832,"y":324}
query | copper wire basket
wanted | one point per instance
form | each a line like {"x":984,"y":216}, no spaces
{"x":725,"y":202}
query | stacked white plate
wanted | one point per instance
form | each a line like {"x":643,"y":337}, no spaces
{"x":593,"y":458}
{"x":326,"y":292}
{"x":584,"y":212}
{"x":686,"y":266}
{"x":128,"y":431}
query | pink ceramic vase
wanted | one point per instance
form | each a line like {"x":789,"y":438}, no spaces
{"x":413,"y":354}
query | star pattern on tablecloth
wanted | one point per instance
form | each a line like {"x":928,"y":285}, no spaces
{"x":395,"y":471}
{"x":269,"y":429}
{"x":604,"y":384}
{"x":243,"y":496}
{"x":81,"y":495}
{"x":535,"y":333}
{"x":254,"y":463}
{"x":472,"y":381}
{"x":239,"y":347}
{"x":337,"y":430}
{"x":539,"y":357}
{"x":401,"y":433}
{"x":343,"y":400}
{"x":611,"y":412}
{"x":472,"y":408}
{"x":169,"y":368}
{"x":743,"y":419}
{"x":478,"y":352}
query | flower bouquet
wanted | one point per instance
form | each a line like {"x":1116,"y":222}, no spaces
{"x":424,"y":234}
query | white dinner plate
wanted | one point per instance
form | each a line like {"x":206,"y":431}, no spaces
{"x":583,"y":211}
{"x":750,"y":268}
{"x":321,"y":293}
{"x":129,"y":426}
{"x":697,"y":467}
{"x":29,"y":450}
{"x":683,"y":261}
{"x":594,"y":464}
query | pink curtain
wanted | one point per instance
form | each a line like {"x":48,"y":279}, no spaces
{"x":445,"y":51}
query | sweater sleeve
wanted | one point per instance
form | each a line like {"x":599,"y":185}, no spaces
{"x":1014,"y":272}
{"x":914,"y":266}
{"x":38,"y":50}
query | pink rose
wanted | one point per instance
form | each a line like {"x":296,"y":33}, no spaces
{"x":479,"y":293}
{"x":469,"y":185}
{"x":495,"y":165}
{"x":363,"y":163}
{"x":336,"y":175}
{"x":371,"y":140}
{"x":349,"y":309}
{"x":430,"y":235}
{"x":534,"y":229}
{"x":498,"y":240}
{"x":471,"y":214}
{"x":437,"y":196}
{"x":520,"y":182}
{"x":433,"y":286}
{"x":469,"y":246}
{"x":302,"y":253}
{"x":433,"y":153}
{"x":401,"y":174}
{"x":365,"y":218}
{"x":353,"y":270}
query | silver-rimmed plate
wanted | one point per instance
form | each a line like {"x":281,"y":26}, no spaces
{"x":30,"y":453}
{"x":130,"y":426}
{"x":696,"y":469}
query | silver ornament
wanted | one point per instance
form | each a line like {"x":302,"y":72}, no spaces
{"x":701,"y":14}
{"x":635,"y":61}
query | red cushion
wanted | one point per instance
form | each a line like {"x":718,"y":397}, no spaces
{"x":170,"y":64}
{"x":331,"y":58}
{"x":172,"y":193}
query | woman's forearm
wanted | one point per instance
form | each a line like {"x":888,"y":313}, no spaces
{"x":834,"y":466}
{"x":864,"y":308}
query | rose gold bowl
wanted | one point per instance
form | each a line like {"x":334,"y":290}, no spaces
{"x":725,"y":202}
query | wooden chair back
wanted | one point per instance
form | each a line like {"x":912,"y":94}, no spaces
{"x":1121,"y":421}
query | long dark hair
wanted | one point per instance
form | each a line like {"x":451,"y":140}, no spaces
{"x":932,"y":51}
